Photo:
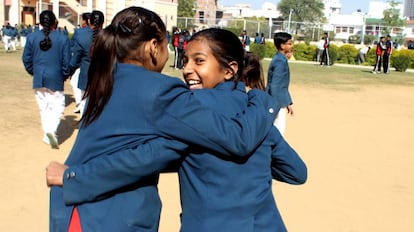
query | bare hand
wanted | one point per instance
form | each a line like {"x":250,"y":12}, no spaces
{"x":54,"y":173}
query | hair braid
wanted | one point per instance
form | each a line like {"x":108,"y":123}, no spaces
{"x":47,"y":20}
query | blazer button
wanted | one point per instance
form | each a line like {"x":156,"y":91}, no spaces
{"x":271,"y":110}
{"x":70,"y":175}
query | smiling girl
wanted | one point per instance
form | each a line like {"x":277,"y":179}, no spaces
{"x":219,"y":194}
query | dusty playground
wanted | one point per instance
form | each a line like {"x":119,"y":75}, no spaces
{"x":358,"y":145}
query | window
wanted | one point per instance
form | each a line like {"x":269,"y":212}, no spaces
{"x":201,"y":16}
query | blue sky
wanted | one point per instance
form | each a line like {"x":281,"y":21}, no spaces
{"x":348,"y":6}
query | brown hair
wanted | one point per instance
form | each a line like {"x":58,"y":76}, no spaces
{"x":118,"y":42}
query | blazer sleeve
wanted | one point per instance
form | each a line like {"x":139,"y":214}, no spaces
{"x":76,"y":50}
{"x":118,"y":170}
{"x":287,"y":166}
{"x":66,"y":56}
{"x":28,"y":55}
{"x":183,"y":117}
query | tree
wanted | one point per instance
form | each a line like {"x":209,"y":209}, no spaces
{"x":302,"y":12}
{"x":392,"y":17}
{"x":186,"y":8}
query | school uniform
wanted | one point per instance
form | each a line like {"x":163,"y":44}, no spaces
{"x":278,"y":81}
{"x":163,"y":106}
{"x":246,"y":42}
{"x":23,"y":36}
{"x":222,"y":195}
{"x":378,"y":52}
{"x":387,"y":55}
{"x":49,"y":70}
{"x":325,"y":53}
{"x":81,"y":43}
{"x":6,"y":31}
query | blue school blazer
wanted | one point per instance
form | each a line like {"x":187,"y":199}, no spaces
{"x":145,"y":105}
{"x":81,"y":42}
{"x":49,"y":68}
{"x":278,"y":79}
{"x":218,"y":193}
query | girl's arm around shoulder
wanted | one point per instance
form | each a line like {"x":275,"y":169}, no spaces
{"x":287,"y":166}
{"x":180,"y":115}
{"x":100,"y":177}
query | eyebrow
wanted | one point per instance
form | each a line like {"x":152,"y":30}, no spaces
{"x":198,"y":53}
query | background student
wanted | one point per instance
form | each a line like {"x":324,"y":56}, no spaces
{"x":325,"y":53}
{"x":81,"y":43}
{"x":46,"y":57}
{"x":379,"y":52}
{"x":74,"y":79}
{"x":387,"y":54}
{"x":278,"y":78}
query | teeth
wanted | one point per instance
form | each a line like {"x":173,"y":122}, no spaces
{"x":193,"y":82}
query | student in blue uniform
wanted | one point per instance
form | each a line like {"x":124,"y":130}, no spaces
{"x":6,"y":36}
{"x":218,"y":193}
{"x":278,"y":78}
{"x":46,"y":57}
{"x":81,"y":43}
{"x":129,"y":102}
{"x":77,"y":93}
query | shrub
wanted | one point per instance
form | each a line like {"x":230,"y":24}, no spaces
{"x":347,"y":54}
{"x":333,"y":54}
{"x":371,"y":56}
{"x":405,"y":52}
{"x":401,"y":63}
{"x":258,"y":50}
{"x":270,"y":49}
{"x":305,"y":52}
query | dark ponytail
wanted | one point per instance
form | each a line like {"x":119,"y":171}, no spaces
{"x":96,"y":20}
{"x":47,"y":20}
{"x":118,"y":42}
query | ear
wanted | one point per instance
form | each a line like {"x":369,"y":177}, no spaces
{"x":228,"y":74}
{"x":152,"y":50}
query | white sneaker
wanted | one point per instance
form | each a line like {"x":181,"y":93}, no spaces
{"x":46,"y":139}
{"x":77,"y":109}
{"x":52,"y":140}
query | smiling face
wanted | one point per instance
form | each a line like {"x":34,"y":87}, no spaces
{"x":201,"y":67}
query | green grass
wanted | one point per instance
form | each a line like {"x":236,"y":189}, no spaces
{"x":349,"y":78}
{"x":13,"y":76}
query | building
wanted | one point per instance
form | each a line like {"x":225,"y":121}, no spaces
{"x":409,"y":9}
{"x":68,"y":11}
{"x":332,"y":8}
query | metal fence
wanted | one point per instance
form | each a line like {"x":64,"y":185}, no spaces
{"x":301,"y":30}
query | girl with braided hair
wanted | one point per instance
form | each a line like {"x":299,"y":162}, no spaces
{"x":81,"y":43}
{"x":46,"y":57}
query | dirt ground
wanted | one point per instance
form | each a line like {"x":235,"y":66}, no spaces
{"x":358,"y":147}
